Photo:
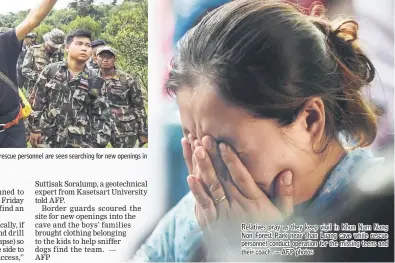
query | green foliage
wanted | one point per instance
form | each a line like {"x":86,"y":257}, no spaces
{"x":127,"y":32}
{"x":7,"y":20}
{"x":61,"y":17}
{"x":87,"y":23}
{"x":83,"y":7}
{"x":41,"y":31}
{"x":124,"y":26}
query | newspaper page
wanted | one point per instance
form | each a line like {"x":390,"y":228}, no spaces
{"x":271,"y":133}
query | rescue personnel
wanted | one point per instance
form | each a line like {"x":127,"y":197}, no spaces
{"x":93,"y":60}
{"x":126,"y":102}
{"x":39,"y":56}
{"x":12,"y":129}
{"x":29,"y":41}
{"x":68,"y":109}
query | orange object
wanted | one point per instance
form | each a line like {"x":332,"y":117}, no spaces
{"x":8,"y":125}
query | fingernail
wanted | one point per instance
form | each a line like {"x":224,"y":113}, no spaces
{"x":200,"y":153}
{"x":223,"y":148}
{"x":287,"y":178}
{"x":207,"y":143}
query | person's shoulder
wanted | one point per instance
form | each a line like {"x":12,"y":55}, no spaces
{"x":36,"y":49}
{"x":94,"y":71}
{"x":175,"y":237}
{"x":360,"y":161}
{"x":10,"y":45}
{"x":121,"y":73}
{"x":90,"y":72}
{"x":52,"y":68}
{"x":57,"y":64}
{"x":8,"y":33}
{"x":125,"y":78}
{"x":124,"y":74}
{"x":36,"y":46}
{"x":182,"y":215}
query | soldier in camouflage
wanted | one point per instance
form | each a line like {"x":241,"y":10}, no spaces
{"x":27,"y":43}
{"x":39,"y":56}
{"x":92,"y":63}
{"x":125,"y":100}
{"x":68,"y":109}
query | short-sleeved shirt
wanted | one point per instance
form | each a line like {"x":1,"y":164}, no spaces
{"x":10,"y":47}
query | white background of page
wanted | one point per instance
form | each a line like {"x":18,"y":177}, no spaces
{"x":23,"y":174}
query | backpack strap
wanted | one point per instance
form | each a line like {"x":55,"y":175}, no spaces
{"x":9,"y":82}
{"x":53,"y":70}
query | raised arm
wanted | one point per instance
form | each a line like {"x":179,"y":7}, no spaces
{"x":35,"y":17}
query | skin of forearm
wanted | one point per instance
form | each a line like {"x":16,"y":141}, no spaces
{"x":35,"y":17}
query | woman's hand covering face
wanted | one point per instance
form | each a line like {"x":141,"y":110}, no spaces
{"x":225,"y":191}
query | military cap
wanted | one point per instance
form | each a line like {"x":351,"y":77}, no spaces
{"x":32,"y":35}
{"x":98,"y":42}
{"x":105,"y":49}
{"x":55,"y":38}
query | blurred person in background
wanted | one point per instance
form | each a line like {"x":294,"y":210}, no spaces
{"x":123,"y":93}
{"x":12,"y":130}
{"x":178,"y":235}
{"x":36,"y":59}
{"x":27,"y":43}
{"x":92,"y":63}
{"x":39,"y":56}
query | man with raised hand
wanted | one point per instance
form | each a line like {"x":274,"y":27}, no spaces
{"x":12,"y":129}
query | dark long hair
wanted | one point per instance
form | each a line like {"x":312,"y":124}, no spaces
{"x":270,"y":57}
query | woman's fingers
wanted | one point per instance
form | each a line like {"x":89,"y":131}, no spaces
{"x":196,"y":143}
{"x":284,"y":193}
{"x":211,"y":180}
{"x":240,"y":176}
{"x":187,"y":152}
{"x":203,"y":200}
{"x":191,"y":140}
{"x":211,"y":147}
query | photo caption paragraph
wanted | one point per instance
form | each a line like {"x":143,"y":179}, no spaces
{"x":302,"y":239}
{"x":73,"y":156}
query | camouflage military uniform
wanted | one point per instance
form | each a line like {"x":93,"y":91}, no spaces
{"x":20,"y":78}
{"x":92,"y":64}
{"x":35,"y":60}
{"x":70,"y":111}
{"x":124,"y":97}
